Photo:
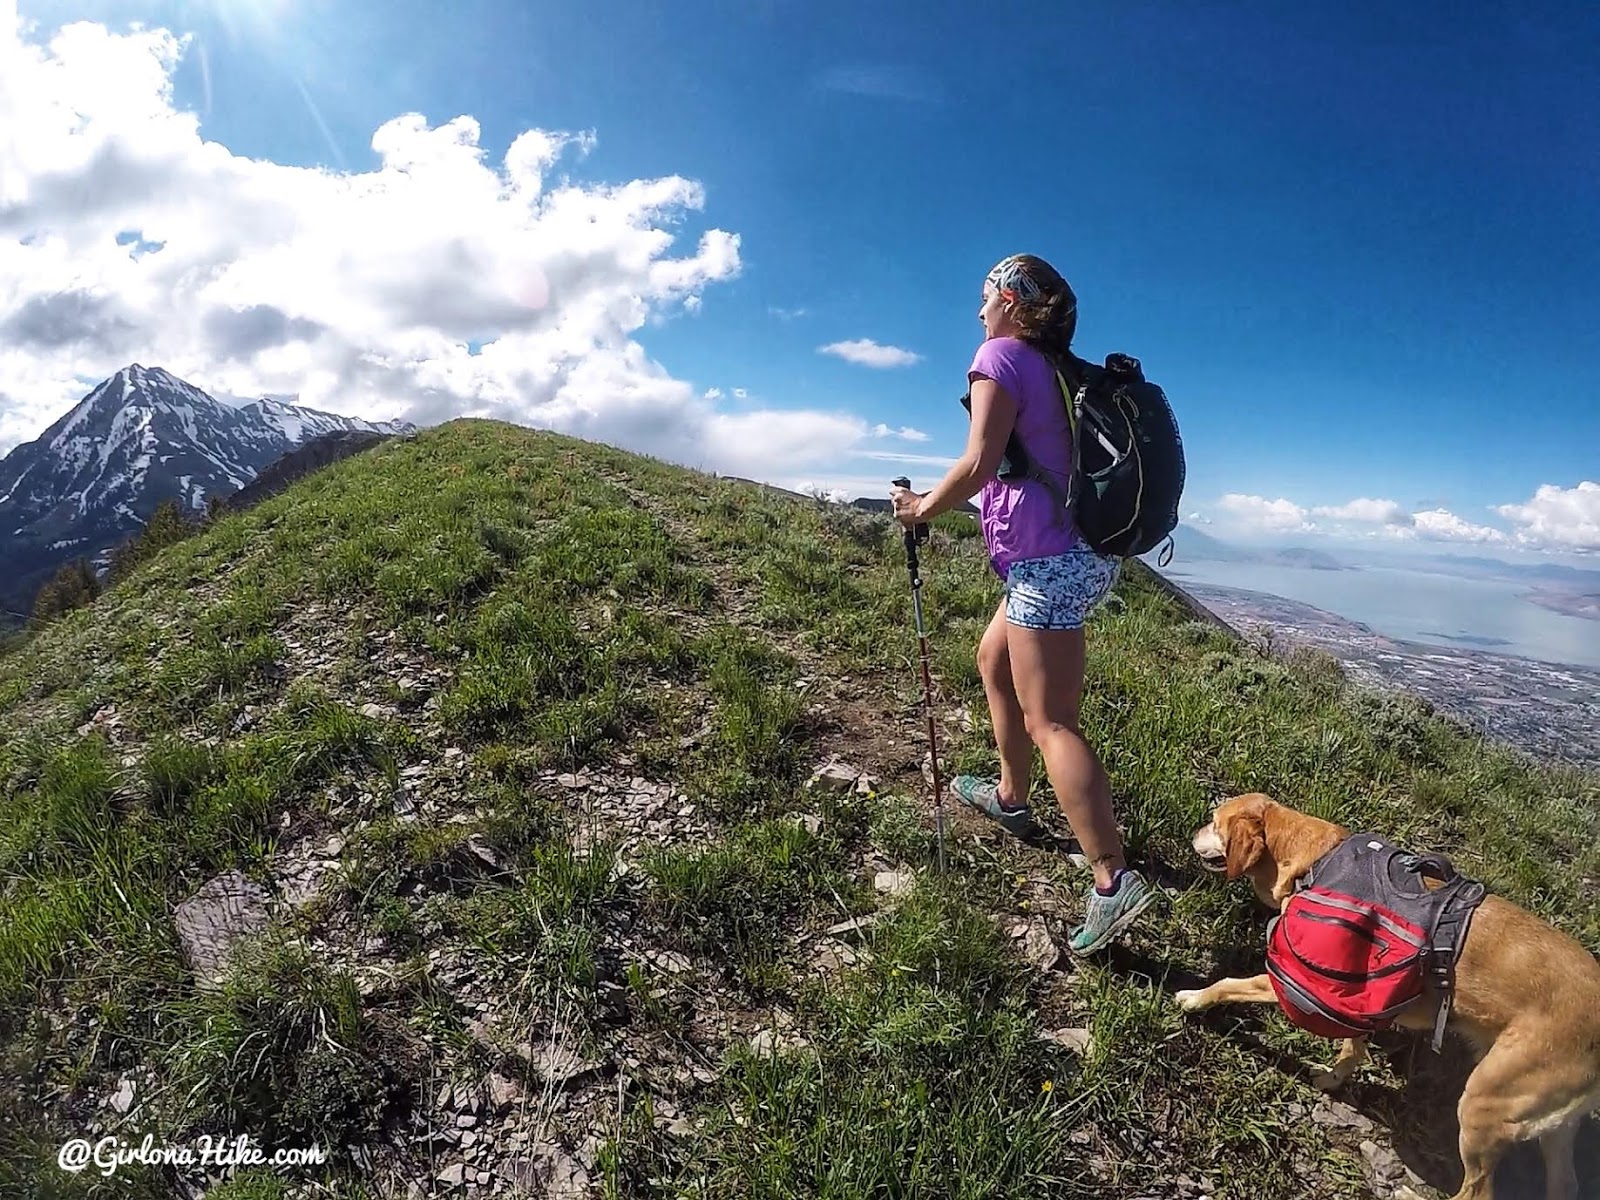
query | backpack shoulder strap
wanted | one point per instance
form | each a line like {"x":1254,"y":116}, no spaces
{"x":1014,"y":462}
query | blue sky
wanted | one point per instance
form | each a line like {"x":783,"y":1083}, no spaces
{"x":1355,"y":245}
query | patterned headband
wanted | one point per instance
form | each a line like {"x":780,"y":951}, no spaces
{"x":1009,"y":275}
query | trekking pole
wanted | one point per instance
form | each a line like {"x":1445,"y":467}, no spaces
{"x":912,"y":537}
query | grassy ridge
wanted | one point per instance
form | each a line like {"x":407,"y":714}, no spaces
{"x":541,"y":606}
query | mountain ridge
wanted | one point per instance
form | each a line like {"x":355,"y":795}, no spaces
{"x":139,"y":438}
{"x":577,"y":801}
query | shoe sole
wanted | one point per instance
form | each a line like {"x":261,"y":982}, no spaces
{"x":1117,"y":928}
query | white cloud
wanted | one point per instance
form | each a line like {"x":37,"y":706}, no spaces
{"x":1256,"y":514}
{"x":787,"y":314}
{"x":844,"y":488}
{"x":1260,"y":514}
{"x":1442,"y":525}
{"x":865,"y":352}
{"x":833,"y":495}
{"x":1558,"y":517}
{"x":940,"y":462}
{"x":1555,"y":519}
{"x":126,"y":236}
{"x":905,"y":432}
{"x":740,"y":394}
{"x":1371,"y":512}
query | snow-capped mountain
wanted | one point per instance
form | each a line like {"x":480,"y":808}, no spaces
{"x":142,"y":437}
{"x":302,"y":425}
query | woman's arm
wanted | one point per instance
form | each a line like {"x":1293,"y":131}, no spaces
{"x":994,"y":415}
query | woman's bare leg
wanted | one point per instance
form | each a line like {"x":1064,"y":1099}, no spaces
{"x":1005,"y":713}
{"x":1047,"y":667}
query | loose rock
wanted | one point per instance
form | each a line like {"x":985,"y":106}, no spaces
{"x":833,"y":776}
{"x":213,"y":921}
{"x":894,"y":883}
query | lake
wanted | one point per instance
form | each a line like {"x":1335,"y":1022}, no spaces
{"x":1489,"y":615}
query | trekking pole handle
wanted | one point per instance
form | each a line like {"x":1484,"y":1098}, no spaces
{"x":920,"y":532}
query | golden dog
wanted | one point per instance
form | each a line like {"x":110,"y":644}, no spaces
{"x":1527,"y":999}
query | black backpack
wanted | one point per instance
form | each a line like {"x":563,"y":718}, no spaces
{"x":1127,"y":461}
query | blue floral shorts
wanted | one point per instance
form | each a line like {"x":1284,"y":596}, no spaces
{"x":1058,"y":592}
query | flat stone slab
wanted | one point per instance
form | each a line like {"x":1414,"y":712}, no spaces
{"x":212,"y":921}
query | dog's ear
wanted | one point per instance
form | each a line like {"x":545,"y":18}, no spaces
{"x":1247,"y":842}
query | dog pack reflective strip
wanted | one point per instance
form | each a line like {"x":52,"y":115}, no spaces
{"x":1305,"y":1010}
{"x":1350,"y":999}
{"x":1365,"y":979}
{"x":1333,"y":972}
{"x":1394,"y":923}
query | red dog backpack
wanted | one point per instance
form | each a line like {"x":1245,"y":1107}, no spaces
{"x":1363,"y":932}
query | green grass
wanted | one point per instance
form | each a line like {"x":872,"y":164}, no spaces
{"x":568,"y":607}
{"x":283,"y":1052}
{"x":736,"y":902}
{"x":923,"y":1077}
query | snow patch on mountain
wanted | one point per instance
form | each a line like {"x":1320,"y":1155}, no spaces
{"x":138,"y":439}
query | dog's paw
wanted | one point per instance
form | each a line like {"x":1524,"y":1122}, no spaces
{"x":1188,"y":999}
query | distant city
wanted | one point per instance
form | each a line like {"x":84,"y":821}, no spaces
{"x":1548,"y":710}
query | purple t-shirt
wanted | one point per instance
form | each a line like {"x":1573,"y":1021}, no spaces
{"x":1022,"y":519}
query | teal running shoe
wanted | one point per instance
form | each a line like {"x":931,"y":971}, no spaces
{"x":984,"y":795}
{"x":1107,"y":917}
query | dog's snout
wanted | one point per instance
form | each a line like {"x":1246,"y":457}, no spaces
{"x":1209,"y":848}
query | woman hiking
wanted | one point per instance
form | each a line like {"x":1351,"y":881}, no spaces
{"x":1031,"y":656}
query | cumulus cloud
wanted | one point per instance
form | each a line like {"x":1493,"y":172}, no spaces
{"x":843,"y":488}
{"x":444,"y":281}
{"x":1560,"y":517}
{"x":1259,"y":513}
{"x":905,"y":433}
{"x":1554,"y":519}
{"x":865,"y":352}
{"x":820,"y":491}
{"x":70,"y":318}
{"x":1370,"y":512}
{"x":1442,"y":525}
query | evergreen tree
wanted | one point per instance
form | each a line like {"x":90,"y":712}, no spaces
{"x":166,"y":526}
{"x":72,"y":586}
